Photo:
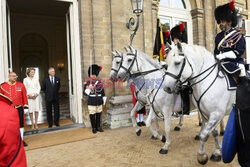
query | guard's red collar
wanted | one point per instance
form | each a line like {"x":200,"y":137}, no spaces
{"x":5,"y":99}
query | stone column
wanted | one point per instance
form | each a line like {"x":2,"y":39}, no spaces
{"x":198,"y":26}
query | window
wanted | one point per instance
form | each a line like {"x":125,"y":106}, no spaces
{"x":165,"y":23}
{"x":174,"y":12}
{"x":164,"y":2}
{"x":179,"y":4}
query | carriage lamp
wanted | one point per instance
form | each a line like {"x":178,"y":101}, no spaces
{"x":137,"y":6}
{"x":60,"y":66}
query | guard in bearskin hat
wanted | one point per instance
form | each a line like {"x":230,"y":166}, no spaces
{"x":229,"y":47}
{"x":229,"y":43}
{"x":93,"y":88}
{"x":179,"y":34}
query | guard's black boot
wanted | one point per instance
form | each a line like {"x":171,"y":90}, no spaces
{"x":25,"y":144}
{"x":241,"y":80}
{"x":98,"y":122}
{"x":185,"y":101}
{"x":93,"y":122}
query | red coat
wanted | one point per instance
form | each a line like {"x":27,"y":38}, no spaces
{"x":132,"y":87}
{"x":17,"y":93}
{"x":11,"y":146}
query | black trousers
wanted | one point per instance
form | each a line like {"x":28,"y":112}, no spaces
{"x":21,"y":116}
{"x":55,"y":104}
{"x":243,"y":142}
{"x":185,"y":100}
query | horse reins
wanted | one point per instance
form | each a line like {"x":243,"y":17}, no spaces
{"x":180,"y":83}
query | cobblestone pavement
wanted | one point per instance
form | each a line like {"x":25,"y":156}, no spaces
{"x":122,"y":148}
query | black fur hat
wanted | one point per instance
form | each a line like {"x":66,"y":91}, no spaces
{"x":94,"y":69}
{"x":179,"y":32}
{"x":227,"y":13}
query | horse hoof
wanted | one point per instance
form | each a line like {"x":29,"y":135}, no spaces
{"x":163,"y":151}
{"x":197,"y":137}
{"x":222,"y":133}
{"x":200,"y":124}
{"x":153,"y":138}
{"x":138,"y":133}
{"x":177,"y":128}
{"x":215,"y":158}
{"x":163,"y":139}
{"x":202,"y":158}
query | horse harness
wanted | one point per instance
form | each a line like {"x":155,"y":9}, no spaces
{"x":179,"y":83}
{"x":135,"y":75}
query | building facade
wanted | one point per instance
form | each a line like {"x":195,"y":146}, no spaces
{"x":72,"y":34}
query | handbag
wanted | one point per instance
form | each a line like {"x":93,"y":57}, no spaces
{"x":229,"y":147}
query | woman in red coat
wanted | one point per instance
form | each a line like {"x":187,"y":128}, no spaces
{"x":11,"y":145}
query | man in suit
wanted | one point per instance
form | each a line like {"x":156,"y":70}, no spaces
{"x":51,"y":86}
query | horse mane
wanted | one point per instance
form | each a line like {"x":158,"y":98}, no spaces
{"x":153,"y":62}
{"x":200,"y":50}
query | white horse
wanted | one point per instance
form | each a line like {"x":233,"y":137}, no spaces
{"x":150,"y":74}
{"x":210,"y":94}
{"x":116,"y":64}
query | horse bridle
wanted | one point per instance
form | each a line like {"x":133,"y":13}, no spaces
{"x":127,"y":70}
{"x":116,"y":70}
{"x":178,"y":77}
{"x":179,"y":83}
{"x":137,"y":74}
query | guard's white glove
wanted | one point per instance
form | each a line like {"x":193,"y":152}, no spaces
{"x":104,"y":100}
{"x":229,"y":55}
{"x":87,"y":91}
{"x":26,"y":111}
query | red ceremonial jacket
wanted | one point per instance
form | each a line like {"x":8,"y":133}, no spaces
{"x":16,"y":92}
{"x":11,"y":146}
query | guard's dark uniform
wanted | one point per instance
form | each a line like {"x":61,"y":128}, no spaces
{"x":237,"y":45}
{"x":95,"y":98}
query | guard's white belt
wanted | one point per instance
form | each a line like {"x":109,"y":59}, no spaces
{"x":95,"y":95}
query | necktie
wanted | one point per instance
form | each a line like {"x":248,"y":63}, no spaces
{"x":52,"y":80}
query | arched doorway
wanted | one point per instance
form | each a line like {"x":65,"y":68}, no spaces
{"x":33,"y":52}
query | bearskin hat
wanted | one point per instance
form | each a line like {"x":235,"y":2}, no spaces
{"x":179,"y":32}
{"x":94,"y":69}
{"x":166,"y":37}
{"x":227,"y":13}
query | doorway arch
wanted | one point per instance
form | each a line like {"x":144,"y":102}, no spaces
{"x":33,"y":52}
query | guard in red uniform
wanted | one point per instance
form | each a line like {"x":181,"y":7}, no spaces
{"x":11,"y":147}
{"x":16,"y":91}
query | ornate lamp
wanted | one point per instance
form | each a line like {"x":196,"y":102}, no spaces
{"x":137,"y":6}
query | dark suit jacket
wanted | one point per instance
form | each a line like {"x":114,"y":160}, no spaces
{"x":51,"y":91}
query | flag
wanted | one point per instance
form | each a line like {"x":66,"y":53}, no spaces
{"x":159,"y":42}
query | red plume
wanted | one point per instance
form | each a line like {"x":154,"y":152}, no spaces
{"x":231,"y":5}
{"x":100,"y":68}
{"x":181,"y":27}
{"x":166,"y":34}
